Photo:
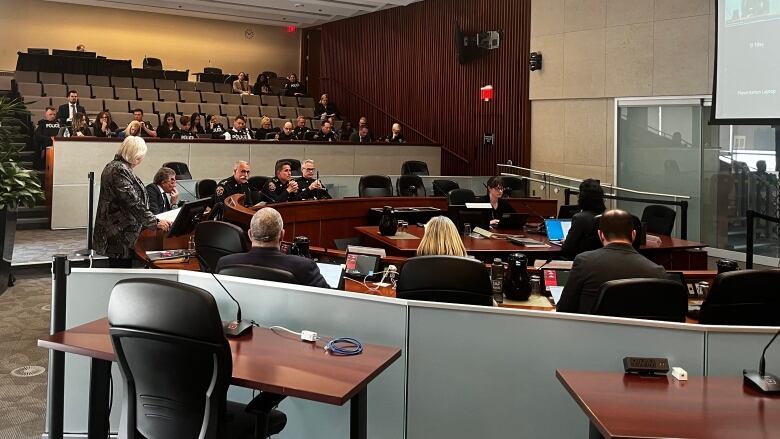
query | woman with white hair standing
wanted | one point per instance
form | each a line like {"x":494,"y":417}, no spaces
{"x":123,"y":206}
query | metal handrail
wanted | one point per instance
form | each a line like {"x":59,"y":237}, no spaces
{"x":751,"y":218}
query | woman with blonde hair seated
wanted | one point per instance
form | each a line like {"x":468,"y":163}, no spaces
{"x":441,"y":238}
{"x":132,"y":129}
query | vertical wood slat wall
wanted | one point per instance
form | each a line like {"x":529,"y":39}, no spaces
{"x":404,"y":62}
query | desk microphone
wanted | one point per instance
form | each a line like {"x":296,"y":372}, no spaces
{"x":542,"y":227}
{"x":262,"y":194}
{"x":761,"y":381}
{"x":179,"y":185}
{"x":237,"y":327}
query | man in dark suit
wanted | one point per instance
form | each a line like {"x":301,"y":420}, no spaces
{"x":616,"y":260}
{"x":162,"y":193}
{"x":266,"y":232}
{"x":66,"y":111}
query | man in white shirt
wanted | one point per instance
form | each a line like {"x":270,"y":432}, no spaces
{"x":239,"y":131}
{"x":66,"y":111}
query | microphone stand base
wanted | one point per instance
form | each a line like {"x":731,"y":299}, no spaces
{"x":765,"y":384}
{"x":236,"y":328}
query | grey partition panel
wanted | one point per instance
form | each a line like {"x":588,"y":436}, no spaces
{"x":728,"y":353}
{"x":370,"y":319}
{"x":87,"y":300}
{"x":492,"y":374}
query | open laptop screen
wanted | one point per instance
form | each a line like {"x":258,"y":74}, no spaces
{"x":557,"y":229}
{"x":332,"y":273}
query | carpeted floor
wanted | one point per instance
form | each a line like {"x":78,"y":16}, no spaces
{"x":24,"y":316}
{"x":38,"y":246}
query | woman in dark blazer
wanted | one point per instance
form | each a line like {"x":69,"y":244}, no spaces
{"x":494,"y":196}
{"x":583,"y":235}
{"x":123,"y":206}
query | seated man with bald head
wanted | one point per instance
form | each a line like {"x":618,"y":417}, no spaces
{"x":616,"y":260}
{"x":266,"y":231}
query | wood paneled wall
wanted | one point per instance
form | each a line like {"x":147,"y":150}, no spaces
{"x":400,"y":65}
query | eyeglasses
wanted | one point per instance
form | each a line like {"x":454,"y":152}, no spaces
{"x":309,"y":169}
{"x":243,"y":171}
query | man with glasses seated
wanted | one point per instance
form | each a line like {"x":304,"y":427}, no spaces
{"x":287,"y":133}
{"x":162,"y":192}
{"x":310,"y":187}
{"x":238,"y":183}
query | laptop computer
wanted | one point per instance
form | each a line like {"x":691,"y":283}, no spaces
{"x":512,"y":221}
{"x":333,"y":274}
{"x":557,"y":229}
{"x":554,"y":281}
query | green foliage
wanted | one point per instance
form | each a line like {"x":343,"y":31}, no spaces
{"x":19,"y":187}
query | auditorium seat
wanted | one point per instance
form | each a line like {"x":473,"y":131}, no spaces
{"x":250,"y":110}
{"x":269,"y":100}
{"x":26,"y":77}
{"x":121,"y":119}
{"x":337,"y":124}
{"x":222,"y":119}
{"x":190,"y":96}
{"x":288,"y":112}
{"x":646,"y":299}
{"x":185,"y":86}
{"x":211,"y":109}
{"x":92,"y":106}
{"x":74,"y":79}
{"x":306,"y":101}
{"x":116,"y":106}
{"x":251,"y":100}
{"x":29,"y":89}
{"x":100,"y":81}
{"x":84,"y":91}
{"x":50,"y":78}
{"x":122,"y":81}
{"x":128,"y":93}
{"x":36,"y":102}
{"x":269,"y":110}
{"x":232,"y":99}
{"x":451,"y":279}
{"x":211,"y":98}
{"x":205,"y":87}
{"x":254,"y":122}
{"x":55,"y":90}
{"x":288,"y":101}
{"x":305,"y":112}
{"x":169,"y":95}
{"x":278,"y":122}
{"x":146,"y":106}
{"x":230,"y":110}
{"x":165,"y":107}
{"x":101,"y":92}
{"x":165,"y":84}
{"x":314,"y":124}
{"x":375,"y":186}
{"x":148,"y":94}
{"x":188,"y":108}
{"x":223,"y":88}
{"x":146,"y":83}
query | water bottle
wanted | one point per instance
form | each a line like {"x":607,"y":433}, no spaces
{"x":191,"y":246}
{"x":497,"y":279}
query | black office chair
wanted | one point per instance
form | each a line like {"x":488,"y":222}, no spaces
{"x":459,"y":197}
{"x":309,"y":135}
{"x":450,"y":279}
{"x":205,"y":188}
{"x":414,"y":167}
{"x":257,"y":182}
{"x":295,"y":166}
{"x":375,"y":186}
{"x":152,"y":64}
{"x":181,"y":169}
{"x":176,"y":365}
{"x":410,"y":186}
{"x":515,"y":187}
{"x":659,"y":219}
{"x":214,"y":239}
{"x":640,"y":298}
{"x":442,"y":187}
{"x":567,"y":211}
{"x":260,"y":273}
{"x":745,"y":297}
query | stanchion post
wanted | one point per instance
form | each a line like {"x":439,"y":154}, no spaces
{"x":56,"y":400}
{"x":751,"y":218}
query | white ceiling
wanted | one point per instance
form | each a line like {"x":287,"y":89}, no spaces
{"x":302,"y":13}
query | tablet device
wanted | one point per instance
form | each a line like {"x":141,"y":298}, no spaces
{"x":333,"y":274}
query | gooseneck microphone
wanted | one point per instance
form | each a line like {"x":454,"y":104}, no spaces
{"x":236,"y":327}
{"x":542,"y":227}
{"x":761,"y":381}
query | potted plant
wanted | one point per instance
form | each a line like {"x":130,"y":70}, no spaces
{"x":19,"y":187}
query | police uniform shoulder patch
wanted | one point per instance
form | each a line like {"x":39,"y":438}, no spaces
{"x":220,"y":190}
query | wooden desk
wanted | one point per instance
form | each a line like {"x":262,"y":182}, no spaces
{"x":262,"y":360}
{"x":152,"y":240}
{"x":629,"y":406}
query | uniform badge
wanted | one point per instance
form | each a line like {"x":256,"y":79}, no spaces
{"x":220,"y":190}
{"x":271,"y":186}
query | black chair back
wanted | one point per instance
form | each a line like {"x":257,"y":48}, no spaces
{"x":295,"y":166}
{"x":174,"y":358}
{"x":257,"y":182}
{"x":261,"y":273}
{"x":205,"y":188}
{"x":152,"y":64}
{"x":450,"y":279}
{"x":375,"y":186}
{"x":567,"y":211}
{"x":647,"y":299}
{"x":442,"y":187}
{"x":659,"y":219}
{"x":414,"y":167}
{"x":459,"y":197}
{"x":212,"y":70}
{"x":405,"y":183}
{"x":214,"y":239}
{"x":515,"y":187}
{"x":181,"y":169}
{"x":745,"y":297}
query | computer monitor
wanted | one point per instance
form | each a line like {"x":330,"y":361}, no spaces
{"x":333,"y":273}
{"x":359,"y":265}
{"x":557,"y":229}
{"x":189,"y":215}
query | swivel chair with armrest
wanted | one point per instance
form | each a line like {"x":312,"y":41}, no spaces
{"x":659,"y":219}
{"x":450,"y":279}
{"x":205,"y":188}
{"x":295,"y":166}
{"x":214,"y":239}
{"x":641,"y":298}
{"x":442,"y":187}
{"x":257,"y":182}
{"x":745,"y":297}
{"x":414,"y":167}
{"x":375,"y":186}
{"x":456,"y":202}
{"x":260,"y":273}
{"x":181,"y":169}
{"x":405,"y":183}
{"x":567,"y":211}
{"x":176,"y":364}
{"x":515,"y":187}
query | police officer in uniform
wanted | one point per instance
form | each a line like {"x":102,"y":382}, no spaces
{"x":239,"y":130}
{"x":47,"y":128}
{"x":309,"y":187}
{"x":238,"y":183}
{"x":282,"y":187}
{"x":184,"y":132}
{"x":325,"y":134}
{"x":301,"y":129}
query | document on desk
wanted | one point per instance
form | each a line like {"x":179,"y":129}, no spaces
{"x":556,"y":292}
{"x":169,"y":215}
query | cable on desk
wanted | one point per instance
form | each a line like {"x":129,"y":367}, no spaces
{"x":272,"y":328}
{"x":344,"y":346}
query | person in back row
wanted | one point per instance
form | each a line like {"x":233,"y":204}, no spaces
{"x":185,"y":131}
{"x":395,"y":136}
{"x":66,"y":111}
{"x":616,"y":260}
{"x":241,"y":85}
{"x":103,"y":125}
{"x":301,"y":128}
{"x":325,"y":134}
{"x":266,"y":231}
{"x":261,"y":86}
{"x":293,"y":87}
{"x":287,"y":133}
{"x":214,"y":126}
{"x":362,"y":136}
{"x":239,"y":130}
{"x":146,"y":127}
{"x":282,"y":187}
{"x":168,"y":126}
{"x":47,"y":128}
{"x":265,"y":129}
